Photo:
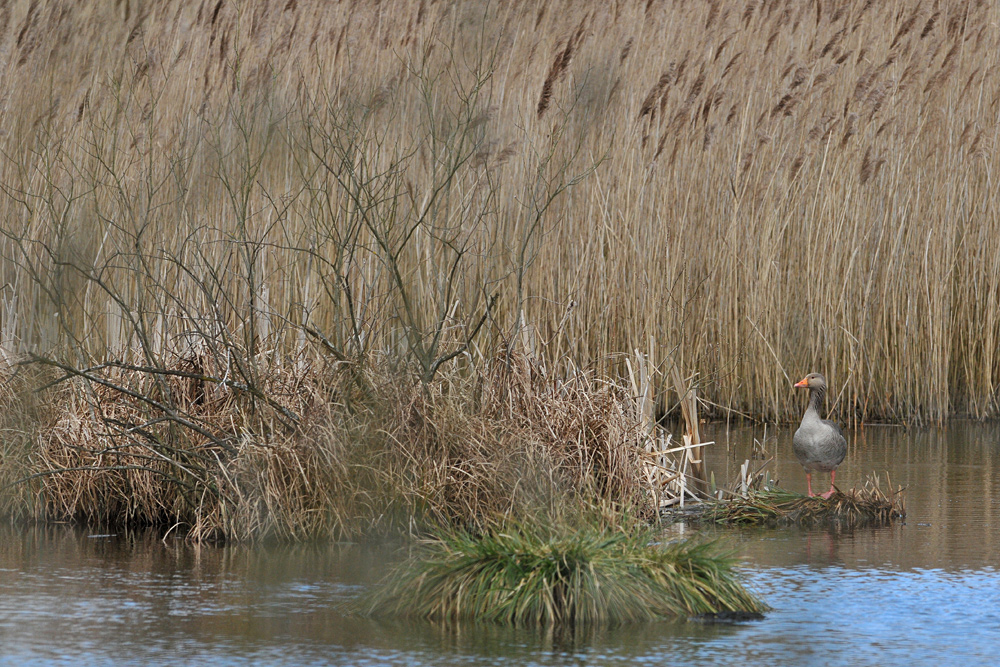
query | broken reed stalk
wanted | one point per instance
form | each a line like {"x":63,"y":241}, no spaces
{"x":686,"y":395}
{"x":675,"y":473}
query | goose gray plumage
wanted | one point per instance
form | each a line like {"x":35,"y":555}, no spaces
{"x":819,"y":444}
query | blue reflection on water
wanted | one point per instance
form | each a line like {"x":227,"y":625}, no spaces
{"x":830,"y":615}
{"x":840,"y":616}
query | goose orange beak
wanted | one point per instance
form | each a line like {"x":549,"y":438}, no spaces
{"x":804,"y":382}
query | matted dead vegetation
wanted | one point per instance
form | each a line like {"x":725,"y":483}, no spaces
{"x":330,"y":454}
{"x":868,"y":505}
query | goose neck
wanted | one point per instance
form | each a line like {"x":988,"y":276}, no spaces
{"x":816,"y":396}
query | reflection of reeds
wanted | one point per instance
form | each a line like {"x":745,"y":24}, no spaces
{"x":530,"y":575}
{"x":867,"y":506}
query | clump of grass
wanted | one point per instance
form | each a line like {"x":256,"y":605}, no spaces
{"x":523,"y":575}
{"x":866,"y":506}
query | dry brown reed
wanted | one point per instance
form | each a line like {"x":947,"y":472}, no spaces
{"x":763,"y":191}
{"x":393,"y":455}
{"x":22,"y":418}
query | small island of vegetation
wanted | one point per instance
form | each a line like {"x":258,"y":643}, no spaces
{"x":294,"y":271}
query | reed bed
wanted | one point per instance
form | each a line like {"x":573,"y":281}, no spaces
{"x":534,"y":576}
{"x":22,"y":417}
{"x":328,"y":454}
{"x":869,"y":505}
{"x":761,"y":190}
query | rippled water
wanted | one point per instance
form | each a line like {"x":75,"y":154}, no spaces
{"x":924,"y":592}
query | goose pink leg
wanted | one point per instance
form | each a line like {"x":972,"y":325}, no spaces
{"x":826,"y":496}
{"x":809,"y":484}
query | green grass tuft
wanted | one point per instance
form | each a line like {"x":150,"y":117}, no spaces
{"x":538,"y":576}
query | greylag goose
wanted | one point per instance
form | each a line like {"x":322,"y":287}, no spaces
{"x":819,"y":444}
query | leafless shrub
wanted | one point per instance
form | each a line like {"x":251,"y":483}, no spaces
{"x":286,"y":187}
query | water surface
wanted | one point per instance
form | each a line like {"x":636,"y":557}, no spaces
{"x":921,"y":592}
